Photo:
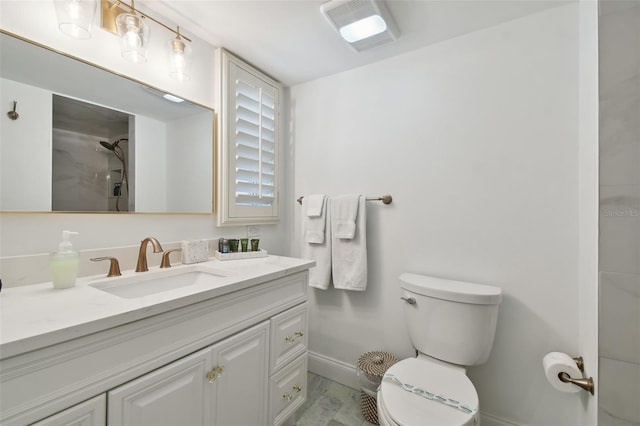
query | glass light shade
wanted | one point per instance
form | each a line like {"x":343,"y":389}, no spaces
{"x":364,"y":28}
{"x":180,"y":59}
{"x":75,"y":17}
{"x":134,"y":37}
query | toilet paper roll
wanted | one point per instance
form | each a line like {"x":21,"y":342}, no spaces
{"x":555,"y":363}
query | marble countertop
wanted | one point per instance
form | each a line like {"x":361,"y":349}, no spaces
{"x":36,"y":316}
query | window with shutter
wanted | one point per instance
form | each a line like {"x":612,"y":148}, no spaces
{"x":250,"y":118}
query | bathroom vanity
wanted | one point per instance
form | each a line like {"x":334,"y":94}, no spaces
{"x":229,"y":347}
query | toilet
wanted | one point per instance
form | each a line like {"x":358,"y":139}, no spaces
{"x":452,"y":325}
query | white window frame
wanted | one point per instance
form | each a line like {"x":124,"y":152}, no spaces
{"x":229,"y":211}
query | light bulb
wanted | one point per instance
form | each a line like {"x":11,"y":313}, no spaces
{"x":180,"y":59}
{"x":134,"y":37}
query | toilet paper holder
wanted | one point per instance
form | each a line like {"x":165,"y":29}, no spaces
{"x":585,"y":383}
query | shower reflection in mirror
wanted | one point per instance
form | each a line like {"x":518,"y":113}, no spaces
{"x":90,"y":157}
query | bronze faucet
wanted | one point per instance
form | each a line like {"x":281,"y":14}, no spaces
{"x":114,"y":266}
{"x":142,"y":254}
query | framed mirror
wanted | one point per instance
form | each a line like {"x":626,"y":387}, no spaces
{"x":84,"y":139}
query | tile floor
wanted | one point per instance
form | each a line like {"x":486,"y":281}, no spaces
{"x":330,"y":404}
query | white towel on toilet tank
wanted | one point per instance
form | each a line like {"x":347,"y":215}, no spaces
{"x":349,"y":254}
{"x":316,"y":245}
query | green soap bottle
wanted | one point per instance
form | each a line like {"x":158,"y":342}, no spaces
{"x":64,"y":263}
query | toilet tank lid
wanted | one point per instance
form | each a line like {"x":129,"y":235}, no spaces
{"x":456,"y":291}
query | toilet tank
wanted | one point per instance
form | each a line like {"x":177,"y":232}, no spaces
{"x":453,"y":321}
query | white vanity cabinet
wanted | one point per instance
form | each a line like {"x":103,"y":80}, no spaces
{"x":225,"y":384}
{"x":236,"y":359}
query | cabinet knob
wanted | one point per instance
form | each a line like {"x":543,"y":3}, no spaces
{"x":287,"y":396}
{"x":215,"y":372}
{"x":297,"y":388}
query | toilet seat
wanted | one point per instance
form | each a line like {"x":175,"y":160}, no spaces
{"x":397,"y":406}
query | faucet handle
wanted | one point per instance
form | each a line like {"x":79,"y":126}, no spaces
{"x":114,"y":266}
{"x":165,"y":258}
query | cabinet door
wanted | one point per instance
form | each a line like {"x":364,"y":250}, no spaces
{"x":177,"y":394}
{"x":240,"y":392}
{"x":88,"y":413}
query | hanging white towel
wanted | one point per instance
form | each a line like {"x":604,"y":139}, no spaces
{"x":344,"y":213}
{"x":319,"y":275}
{"x":315,"y":203}
{"x":349,"y":256}
{"x":314,"y":220}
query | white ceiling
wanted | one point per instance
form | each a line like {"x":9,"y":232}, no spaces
{"x":292,"y":41}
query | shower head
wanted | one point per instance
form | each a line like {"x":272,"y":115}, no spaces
{"x":109,"y":146}
{"x":112,"y":146}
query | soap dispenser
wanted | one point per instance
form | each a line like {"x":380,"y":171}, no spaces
{"x":64,"y":263}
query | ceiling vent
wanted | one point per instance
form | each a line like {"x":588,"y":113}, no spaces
{"x":364,"y":24}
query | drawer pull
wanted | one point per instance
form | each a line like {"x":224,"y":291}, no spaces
{"x":297,"y":388}
{"x":215,"y":372}
{"x":291,"y":339}
{"x":287,"y":396}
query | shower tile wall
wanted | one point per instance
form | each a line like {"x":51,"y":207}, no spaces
{"x":80,"y":168}
{"x":619,"y":345}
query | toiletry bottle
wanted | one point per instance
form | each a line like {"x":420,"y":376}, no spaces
{"x":64,"y":263}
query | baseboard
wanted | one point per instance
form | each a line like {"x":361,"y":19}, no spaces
{"x":346,"y":374}
{"x":333,"y":369}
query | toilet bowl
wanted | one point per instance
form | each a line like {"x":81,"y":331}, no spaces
{"x":408,"y":406}
{"x":452,"y":325}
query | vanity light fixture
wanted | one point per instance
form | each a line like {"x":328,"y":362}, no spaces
{"x":129,"y":24}
{"x":364,"y":24}
{"x":75,"y":17}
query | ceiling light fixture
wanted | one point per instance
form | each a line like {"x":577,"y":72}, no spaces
{"x":364,"y":24}
{"x":134,"y":34}
{"x":75,"y":17}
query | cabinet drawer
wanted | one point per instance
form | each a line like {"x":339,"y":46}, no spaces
{"x":288,"y":336}
{"x":288,"y":390}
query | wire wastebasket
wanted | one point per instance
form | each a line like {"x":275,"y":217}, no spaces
{"x":371,"y":368}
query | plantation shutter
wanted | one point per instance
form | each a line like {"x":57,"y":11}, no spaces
{"x":253,"y":136}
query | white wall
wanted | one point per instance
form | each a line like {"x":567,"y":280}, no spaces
{"x":25,"y":148}
{"x":189,"y":183}
{"x":476,"y":138}
{"x":150,"y":164}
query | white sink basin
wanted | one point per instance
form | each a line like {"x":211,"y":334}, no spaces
{"x":149,"y":283}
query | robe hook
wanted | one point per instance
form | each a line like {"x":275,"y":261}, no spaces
{"x":13,"y":115}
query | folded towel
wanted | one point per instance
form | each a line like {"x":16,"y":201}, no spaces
{"x":344,"y":211}
{"x":314,"y":224}
{"x":319,"y":275}
{"x":349,"y":256}
{"x":314,"y":203}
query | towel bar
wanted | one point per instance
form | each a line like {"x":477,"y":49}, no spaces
{"x":386,"y":199}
